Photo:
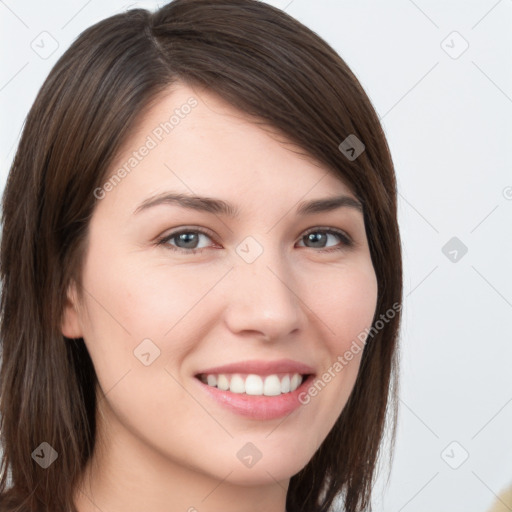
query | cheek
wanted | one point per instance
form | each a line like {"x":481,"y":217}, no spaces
{"x":155,"y":298}
{"x":347,"y":307}
{"x":134,"y":307}
{"x":347,"y":304}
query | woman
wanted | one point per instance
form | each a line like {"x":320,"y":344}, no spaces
{"x":201,"y":272}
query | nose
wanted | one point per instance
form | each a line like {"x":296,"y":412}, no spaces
{"x":264,"y":299}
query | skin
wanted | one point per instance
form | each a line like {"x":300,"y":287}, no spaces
{"x":163,"y":443}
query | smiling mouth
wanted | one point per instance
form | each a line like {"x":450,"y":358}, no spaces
{"x":253,"y":384}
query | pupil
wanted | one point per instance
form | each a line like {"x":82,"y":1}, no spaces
{"x":316,"y":237}
{"x":188,"y":238}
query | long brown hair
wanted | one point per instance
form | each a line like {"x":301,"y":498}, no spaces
{"x":268,"y":65}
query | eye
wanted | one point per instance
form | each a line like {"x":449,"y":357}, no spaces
{"x":319,"y":236}
{"x":187,"y":240}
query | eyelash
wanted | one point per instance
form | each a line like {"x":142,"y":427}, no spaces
{"x":346,"y":241}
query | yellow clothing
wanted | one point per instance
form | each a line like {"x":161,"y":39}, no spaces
{"x":505,"y":505}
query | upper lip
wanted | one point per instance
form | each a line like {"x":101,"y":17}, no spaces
{"x":260,"y":367}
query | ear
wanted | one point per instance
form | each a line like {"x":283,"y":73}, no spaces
{"x":71,"y":326}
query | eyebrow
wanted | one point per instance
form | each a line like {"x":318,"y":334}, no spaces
{"x":221,"y":207}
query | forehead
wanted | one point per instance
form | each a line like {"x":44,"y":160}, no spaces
{"x":193,"y":141}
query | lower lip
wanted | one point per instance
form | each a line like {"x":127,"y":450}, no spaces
{"x":258,"y":407}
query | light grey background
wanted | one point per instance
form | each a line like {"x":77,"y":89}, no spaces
{"x":447,"y":114}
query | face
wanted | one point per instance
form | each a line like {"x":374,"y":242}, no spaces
{"x":171,"y":292}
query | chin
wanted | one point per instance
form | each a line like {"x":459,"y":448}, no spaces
{"x":279,"y":466}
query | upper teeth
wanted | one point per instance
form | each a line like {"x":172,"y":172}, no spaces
{"x":269,"y":385}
